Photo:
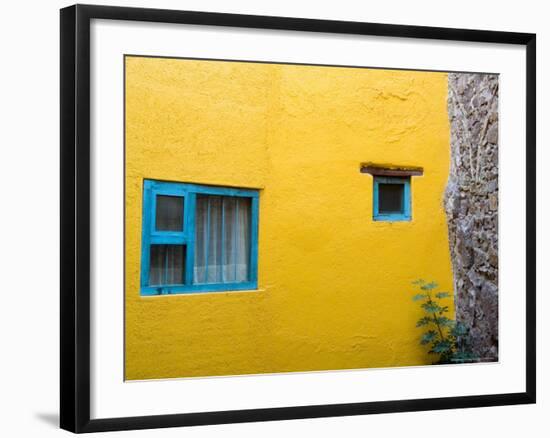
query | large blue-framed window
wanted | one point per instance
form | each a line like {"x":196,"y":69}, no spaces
{"x":392,"y":198}
{"x":198,"y":238}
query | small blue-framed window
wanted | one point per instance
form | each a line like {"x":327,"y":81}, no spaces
{"x":198,"y":238}
{"x":392,"y":198}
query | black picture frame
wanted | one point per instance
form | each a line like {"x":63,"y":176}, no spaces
{"x":75,"y":217}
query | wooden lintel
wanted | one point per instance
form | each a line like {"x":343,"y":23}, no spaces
{"x":382,"y":171}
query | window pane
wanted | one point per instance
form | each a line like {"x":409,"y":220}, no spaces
{"x":390,"y":198}
{"x":214,"y":261}
{"x":167,"y":265}
{"x":222,"y":239}
{"x":229,"y":236}
{"x":169,"y":215}
{"x":243,"y":238}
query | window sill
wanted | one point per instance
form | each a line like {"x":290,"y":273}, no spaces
{"x":391,"y":218}
{"x":198,"y":292}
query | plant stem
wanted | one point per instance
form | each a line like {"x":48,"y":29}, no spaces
{"x":435,"y":318}
{"x":438,"y":327}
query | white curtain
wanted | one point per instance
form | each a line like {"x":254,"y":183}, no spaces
{"x":222,"y":239}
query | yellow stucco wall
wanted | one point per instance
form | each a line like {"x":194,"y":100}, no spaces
{"x":334,"y":286}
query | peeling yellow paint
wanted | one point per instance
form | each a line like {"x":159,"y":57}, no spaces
{"x":334,"y":286}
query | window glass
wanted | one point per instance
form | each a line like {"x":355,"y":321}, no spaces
{"x":222,"y":239}
{"x":167,"y":265}
{"x":169,"y":214}
{"x":390,"y":198}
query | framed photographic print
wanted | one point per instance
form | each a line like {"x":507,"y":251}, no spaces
{"x":269,"y":218}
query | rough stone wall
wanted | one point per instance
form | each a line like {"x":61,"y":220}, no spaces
{"x":471,"y":204}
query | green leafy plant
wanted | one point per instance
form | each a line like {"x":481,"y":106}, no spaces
{"x":446,"y":338}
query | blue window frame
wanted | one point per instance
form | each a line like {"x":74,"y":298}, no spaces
{"x":392,"y":198}
{"x":198,"y":238}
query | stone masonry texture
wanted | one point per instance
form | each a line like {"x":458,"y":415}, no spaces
{"x":471,"y":205}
